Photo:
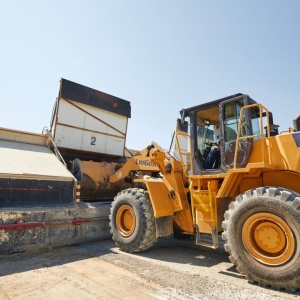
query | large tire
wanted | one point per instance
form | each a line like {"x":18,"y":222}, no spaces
{"x":132,"y":221}
{"x":262,"y":236}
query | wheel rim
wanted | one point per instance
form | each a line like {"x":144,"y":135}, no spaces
{"x":268,"y":239}
{"x":125,"y":220}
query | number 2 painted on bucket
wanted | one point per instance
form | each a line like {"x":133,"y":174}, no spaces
{"x":93,"y":141}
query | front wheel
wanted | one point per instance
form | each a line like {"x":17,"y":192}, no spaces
{"x":262,"y":236}
{"x":132,"y":221}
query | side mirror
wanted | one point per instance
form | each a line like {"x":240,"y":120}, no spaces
{"x":296,"y":123}
{"x":182,"y":117}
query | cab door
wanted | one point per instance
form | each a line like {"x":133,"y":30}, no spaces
{"x":230,"y":137}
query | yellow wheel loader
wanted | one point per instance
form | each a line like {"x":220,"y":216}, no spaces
{"x":230,"y":173}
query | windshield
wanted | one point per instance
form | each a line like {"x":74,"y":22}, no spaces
{"x":206,"y":134}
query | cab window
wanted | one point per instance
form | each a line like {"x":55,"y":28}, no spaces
{"x":232,"y":114}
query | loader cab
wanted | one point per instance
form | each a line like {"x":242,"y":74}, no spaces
{"x":213,"y":130}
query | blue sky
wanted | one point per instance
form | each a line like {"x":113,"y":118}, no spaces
{"x":161,"y":56}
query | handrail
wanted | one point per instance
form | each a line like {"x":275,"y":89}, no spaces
{"x":181,"y":154}
{"x":56,"y":151}
{"x":261,"y":134}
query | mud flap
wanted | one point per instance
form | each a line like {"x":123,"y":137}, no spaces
{"x":164,"y":226}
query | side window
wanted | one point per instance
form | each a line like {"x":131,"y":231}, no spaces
{"x":255,"y":123}
{"x":232,"y":113}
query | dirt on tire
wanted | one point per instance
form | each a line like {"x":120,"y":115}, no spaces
{"x":140,"y":234}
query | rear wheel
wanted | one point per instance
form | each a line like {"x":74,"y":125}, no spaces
{"x":132,"y":221}
{"x":262,"y":236}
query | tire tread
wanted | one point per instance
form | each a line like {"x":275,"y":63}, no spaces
{"x":146,"y":238}
{"x":289,"y":283}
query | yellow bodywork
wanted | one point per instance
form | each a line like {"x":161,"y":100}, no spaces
{"x":198,"y":202}
{"x":168,"y":195}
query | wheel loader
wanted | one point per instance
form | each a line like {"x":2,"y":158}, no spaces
{"x":77,"y":182}
{"x":249,"y":195}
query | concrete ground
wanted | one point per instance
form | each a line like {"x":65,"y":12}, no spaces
{"x":173,"y":269}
